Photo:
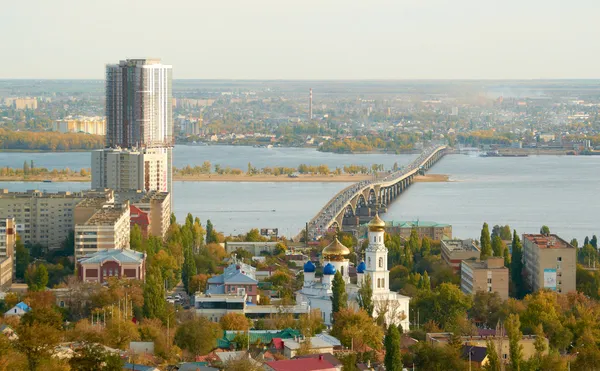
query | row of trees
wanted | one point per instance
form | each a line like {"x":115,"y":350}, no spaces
{"x":49,"y":141}
{"x":390,"y":143}
{"x":206,"y":168}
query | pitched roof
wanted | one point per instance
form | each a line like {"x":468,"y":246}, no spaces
{"x":257,"y":336}
{"x":23,"y":306}
{"x":326,"y":356}
{"x":122,"y":256}
{"x":304,"y":364}
{"x":478,"y":354}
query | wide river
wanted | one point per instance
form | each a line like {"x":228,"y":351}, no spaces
{"x":559,"y":191}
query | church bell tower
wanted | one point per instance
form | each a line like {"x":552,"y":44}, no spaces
{"x":376,"y":257}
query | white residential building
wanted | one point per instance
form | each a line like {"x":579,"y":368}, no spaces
{"x":130,"y":169}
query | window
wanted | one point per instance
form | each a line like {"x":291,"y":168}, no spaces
{"x":374,"y":238}
{"x":378,"y":282}
{"x":62,"y":304}
{"x":489,"y":289}
{"x":369,"y":262}
{"x":383,"y":282}
{"x":380,"y":262}
{"x":489,"y":280}
{"x":342,"y":270}
{"x":559,"y":259}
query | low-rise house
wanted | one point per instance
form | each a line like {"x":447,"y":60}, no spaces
{"x":316,"y":345}
{"x":475,"y":354}
{"x":304,"y":364}
{"x":18,"y":310}
{"x":8,"y":331}
{"x":327,"y":357}
{"x":137,"y":367}
{"x":256,"y":337}
{"x":121,"y":263}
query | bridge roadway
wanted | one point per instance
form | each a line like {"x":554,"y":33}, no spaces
{"x":366,"y":197}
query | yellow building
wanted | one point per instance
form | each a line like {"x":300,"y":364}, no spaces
{"x":89,"y":125}
{"x":8,"y":239}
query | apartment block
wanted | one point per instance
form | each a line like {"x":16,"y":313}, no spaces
{"x":84,"y":124}
{"x":432,"y":230}
{"x":8,"y":240}
{"x":550,"y":263}
{"x":489,"y":275}
{"x":45,"y":218}
{"x":156,"y":205}
{"x":455,"y":251}
{"x":130,"y":169}
{"x":108,"y":228}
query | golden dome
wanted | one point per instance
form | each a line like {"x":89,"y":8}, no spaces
{"x":336,"y":248}
{"x":376,"y":225}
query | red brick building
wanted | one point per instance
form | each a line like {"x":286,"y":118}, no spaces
{"x":137,"y":216}
{"x":118,"y":263}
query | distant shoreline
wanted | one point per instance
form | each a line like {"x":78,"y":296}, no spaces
{"x":429,"y":178}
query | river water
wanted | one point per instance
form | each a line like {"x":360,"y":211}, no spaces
{"x":559,"y":191}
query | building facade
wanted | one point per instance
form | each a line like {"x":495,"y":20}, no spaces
{"x":108,"y":228}
{"x":88,"y":125}
{"x":550,"y":263}
{"x":431,"y":230}
{"x":455,"y":251}
{"x":489,"y":275}
{"x":130,"y":169}
{"x":45,"y":218}
{"x":156,"y":205}
{"x":139,"y":107}
{"x":119,"y":263}
{"x":8,"y":240}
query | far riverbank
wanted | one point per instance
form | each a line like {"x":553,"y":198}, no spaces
{"x":235,"y":178}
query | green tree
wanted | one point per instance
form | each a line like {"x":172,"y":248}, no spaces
{"x":545,"y":230}
{"x":37,"y":342}
{"x":198,"y":336}
{"x":574,"y":243}
{"x":393,"y":358}
{"x":516,"y":268}
{"x":22,"y":259}
{"x":25,"y":168}
{"x":594,"y":242}
{"x":135,"y":238}
{"x":365,"y":295}
{"x":92,"y":357}
{"x":493,"y":358}
{"x":154,"y":294}
{"x":188,"y":270}
{"x":485,"y":242}
{"x":211,"y":234}
{"x":37,"y":277}
{"x":339,"y":299}
{"x":425,"y":246}
{"x":253,"y":235}
{"x":515,"y":349}
{"x":497,"y":246}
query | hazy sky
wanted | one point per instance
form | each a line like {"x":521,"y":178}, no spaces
{"x":308,"y":39}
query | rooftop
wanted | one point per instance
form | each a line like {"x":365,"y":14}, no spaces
{"x":489,"y":263}
{"x":122,"y":256}
{"x":460,"y":245}
{"x":551,"y":241}
{"x":34,"y":193}
{"x":305,"y":364}
{"x":135,"y":197}
{"x":416,"y":223}
{"x":108,"y":215}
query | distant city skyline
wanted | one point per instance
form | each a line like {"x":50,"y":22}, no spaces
{"x":308,"y":40}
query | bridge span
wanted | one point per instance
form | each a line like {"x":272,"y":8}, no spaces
{"x":360,"y":201}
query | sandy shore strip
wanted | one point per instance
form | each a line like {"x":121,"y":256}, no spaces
{"x":272,"y":178}
{"x":432,"y":178}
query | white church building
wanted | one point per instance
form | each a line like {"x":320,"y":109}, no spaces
{"x":317,"y":293}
